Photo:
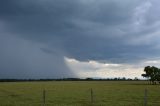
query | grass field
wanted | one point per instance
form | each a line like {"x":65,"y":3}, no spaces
{"x":77,"y":93}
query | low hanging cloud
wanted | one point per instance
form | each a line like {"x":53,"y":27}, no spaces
{"x":103,"y":70}
{"x":35,"y":36}
{"x":108,"y":70}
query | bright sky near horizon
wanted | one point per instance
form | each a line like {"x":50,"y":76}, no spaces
{"x":78,"y":38}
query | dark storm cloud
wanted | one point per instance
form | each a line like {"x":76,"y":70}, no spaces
{"x":23,"y":59}
{"x":106,"y":30}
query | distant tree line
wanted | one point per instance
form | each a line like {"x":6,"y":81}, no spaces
{"x":152,"y":74}
{"x":70,"y":79}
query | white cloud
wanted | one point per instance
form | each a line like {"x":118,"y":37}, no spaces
{"x":152,"y":62}
{"x":103,"y":70}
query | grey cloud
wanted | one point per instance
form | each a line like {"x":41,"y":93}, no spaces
{"x":23,"y":59}
{"x":84,"y":30}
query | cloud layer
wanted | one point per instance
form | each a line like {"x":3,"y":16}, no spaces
{"x":35,"y":36}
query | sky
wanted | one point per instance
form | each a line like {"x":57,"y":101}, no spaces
{"x":78,"y":38}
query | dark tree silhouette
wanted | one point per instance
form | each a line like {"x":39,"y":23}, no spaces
{"x":152,"y":73}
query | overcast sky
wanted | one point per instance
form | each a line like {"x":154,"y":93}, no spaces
{"x":78,"y":38}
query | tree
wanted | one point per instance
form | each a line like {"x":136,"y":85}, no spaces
{"x":158,"y":76}
{"x":152,"y":73}
{"x":147,"y":72}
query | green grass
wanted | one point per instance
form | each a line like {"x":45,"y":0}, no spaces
{"x":77,"y":93}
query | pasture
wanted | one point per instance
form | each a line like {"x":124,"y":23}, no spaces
{"x":78,"y":93}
